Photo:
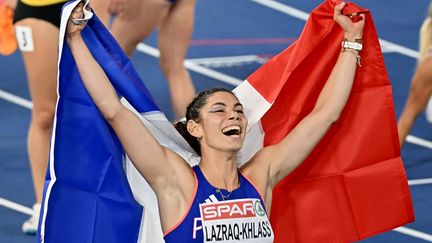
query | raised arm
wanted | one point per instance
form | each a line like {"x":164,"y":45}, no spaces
{"x":273,"y":163}
{"x":161,"y":167}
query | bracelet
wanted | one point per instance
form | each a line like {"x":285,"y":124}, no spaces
{"x":355,"y":53}
{"x":354,"y":47}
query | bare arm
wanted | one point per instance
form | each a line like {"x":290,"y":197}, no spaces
{"x":418,"y":97}
{"x":273,"y":163}
{"x":161,"y":167}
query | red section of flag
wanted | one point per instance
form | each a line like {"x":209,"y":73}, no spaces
{"x":353,"y":185}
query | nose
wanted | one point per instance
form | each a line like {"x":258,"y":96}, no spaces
{"x":234,"y":116}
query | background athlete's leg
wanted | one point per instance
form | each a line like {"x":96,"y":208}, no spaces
{"x":137,"y":21}
{"x":174,"y":37}
{"x":41,"y":67}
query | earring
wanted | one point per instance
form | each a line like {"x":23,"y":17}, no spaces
{"x":199,"y":139}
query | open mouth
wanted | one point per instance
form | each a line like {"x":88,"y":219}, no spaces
{"x":232,"y":131}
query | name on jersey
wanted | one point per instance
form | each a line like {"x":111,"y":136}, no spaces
{"x":237,"y":231}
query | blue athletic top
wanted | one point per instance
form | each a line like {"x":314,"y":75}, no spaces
{"x":217,"y":215}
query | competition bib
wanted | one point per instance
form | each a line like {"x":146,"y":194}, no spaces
{"x":234,"y":221}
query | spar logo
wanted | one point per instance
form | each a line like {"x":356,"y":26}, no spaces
{"x":259,"y":209}
{"x":232,"y":209}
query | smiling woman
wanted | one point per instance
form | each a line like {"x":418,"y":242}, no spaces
{"x":193,"y":116}
{"x":215,"y":200}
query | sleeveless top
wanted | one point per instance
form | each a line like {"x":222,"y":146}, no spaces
{"x":217,"y":215}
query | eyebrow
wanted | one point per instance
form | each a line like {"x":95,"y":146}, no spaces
{"x":223,"y":104}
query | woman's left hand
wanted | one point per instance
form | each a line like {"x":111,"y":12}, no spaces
{"x":352,"y":30}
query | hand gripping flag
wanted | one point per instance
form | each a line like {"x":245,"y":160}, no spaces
{"x":352,"y":185}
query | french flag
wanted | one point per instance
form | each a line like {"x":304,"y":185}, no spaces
{"x":353,"y":185}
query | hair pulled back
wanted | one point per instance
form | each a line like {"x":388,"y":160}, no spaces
{"x":193,"y":112}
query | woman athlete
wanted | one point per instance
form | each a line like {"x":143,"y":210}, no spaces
{"x":216,"y":201}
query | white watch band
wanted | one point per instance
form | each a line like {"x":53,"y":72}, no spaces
{"x":352,"y":45}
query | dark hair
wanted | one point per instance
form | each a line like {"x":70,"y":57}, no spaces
{"x":193,"y":112}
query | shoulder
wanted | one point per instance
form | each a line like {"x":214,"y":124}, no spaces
{"x":257,"y":171}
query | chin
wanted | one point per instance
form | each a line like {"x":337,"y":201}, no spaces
{"x":236,"y":148}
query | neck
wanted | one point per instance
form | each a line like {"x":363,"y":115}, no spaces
{"x":220,"y":169}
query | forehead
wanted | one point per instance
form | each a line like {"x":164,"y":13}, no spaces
{"x":222,"y":97}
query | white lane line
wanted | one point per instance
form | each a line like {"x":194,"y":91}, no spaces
{"x":15,"y":206}
{"x":389,"y":46}
{"x":414,"y":233}
{"x":193,"y":67}
{"x":16,"y":99}
{"x":296,"y":13}
{"x":419,"y":141}
{"x":228,"y":61}
{"x":420,"y":182}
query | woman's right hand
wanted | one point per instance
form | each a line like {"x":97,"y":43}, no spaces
{"x":352,"y":30}
{"x":73,"y":29}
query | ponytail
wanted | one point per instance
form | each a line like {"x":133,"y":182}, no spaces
{"x":181,"y":127}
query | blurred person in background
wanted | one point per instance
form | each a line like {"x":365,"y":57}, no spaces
{"x":419,"y":96}
{"x":134,"y":20}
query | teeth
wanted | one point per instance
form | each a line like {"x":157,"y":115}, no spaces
{"x":232,"y":130}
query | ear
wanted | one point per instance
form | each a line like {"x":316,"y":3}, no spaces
{"x":194,"y":128}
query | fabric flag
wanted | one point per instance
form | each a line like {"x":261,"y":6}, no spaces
{"x":338,"y":194}
{"x":353,"y":184}
{"x":87,"y":196}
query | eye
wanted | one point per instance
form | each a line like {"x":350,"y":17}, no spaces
{"x":214,"y":110}
{"x":239,"y":111}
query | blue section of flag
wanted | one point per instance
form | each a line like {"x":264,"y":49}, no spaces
{"x":91,"y":200}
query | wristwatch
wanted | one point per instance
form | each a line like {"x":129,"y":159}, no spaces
{"x":356,"y":46}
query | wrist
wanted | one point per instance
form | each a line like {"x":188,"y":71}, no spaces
{"x":74,"y":41}
{"x":352,"y":37}
{"x":73,"y":38}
